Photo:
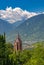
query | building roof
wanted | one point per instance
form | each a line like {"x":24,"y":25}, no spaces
{"x":18,"y":39}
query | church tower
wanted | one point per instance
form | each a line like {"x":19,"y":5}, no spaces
{"x":18,"y":44}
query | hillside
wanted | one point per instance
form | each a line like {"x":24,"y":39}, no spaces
{"x":30,"y":30}
{"x":4,"y":26}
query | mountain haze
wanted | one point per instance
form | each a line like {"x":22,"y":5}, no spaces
{"x":7,"y":27}
{"x":31,"y":29}
{"x":4,"y":26}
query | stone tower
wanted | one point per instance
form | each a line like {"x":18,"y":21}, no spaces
{"x":18,"y":44}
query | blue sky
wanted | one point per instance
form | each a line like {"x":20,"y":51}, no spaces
{"x":29,"y":5}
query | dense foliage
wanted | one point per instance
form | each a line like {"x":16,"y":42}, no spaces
{"x":8,"y":56}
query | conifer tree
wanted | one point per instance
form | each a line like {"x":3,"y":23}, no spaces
{"x":2,"y":49}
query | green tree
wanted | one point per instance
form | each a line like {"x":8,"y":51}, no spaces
{"x":2,"y":49}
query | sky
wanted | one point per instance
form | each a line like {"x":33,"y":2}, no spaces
{"x":19,"y":10}
{"x":29,"y":5}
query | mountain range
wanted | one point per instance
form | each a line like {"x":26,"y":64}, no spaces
{"x":31,"y":29}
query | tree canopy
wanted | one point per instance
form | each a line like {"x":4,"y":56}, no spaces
{"x":8,"y":56}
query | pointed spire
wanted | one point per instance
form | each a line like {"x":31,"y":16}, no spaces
{"x":18,"y":43}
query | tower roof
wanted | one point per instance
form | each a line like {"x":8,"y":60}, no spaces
{"x":18,"y":38}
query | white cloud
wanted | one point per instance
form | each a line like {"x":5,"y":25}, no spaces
{"x":16,"y":14}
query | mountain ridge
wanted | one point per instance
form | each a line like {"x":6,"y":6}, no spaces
{"x":31,"y":29}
